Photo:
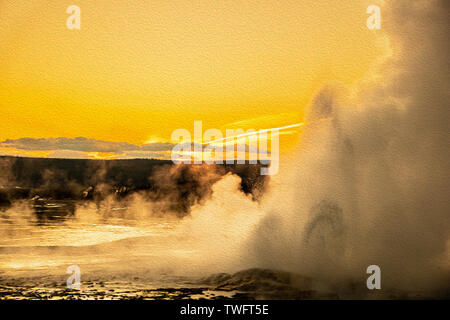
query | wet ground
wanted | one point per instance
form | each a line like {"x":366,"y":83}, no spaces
{"x":122,"y":257}
{"x":248,"y":284}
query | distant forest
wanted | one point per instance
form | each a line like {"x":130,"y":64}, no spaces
{"x":27,"y":178}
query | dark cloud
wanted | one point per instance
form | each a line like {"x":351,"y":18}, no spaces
{"x":158,"y":146}
{"x":74,"y":144}
{"x":77,"y":147}
{"x":143,"y":154}
{"x":81,"y":144}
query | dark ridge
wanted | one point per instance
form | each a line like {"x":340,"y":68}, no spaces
{"x":84,"y":179}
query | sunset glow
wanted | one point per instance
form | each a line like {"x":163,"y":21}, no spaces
{"x":137,"y":71}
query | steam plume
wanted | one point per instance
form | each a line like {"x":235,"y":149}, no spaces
{"x":372,"y":185}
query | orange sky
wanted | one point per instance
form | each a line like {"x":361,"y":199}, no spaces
{"x":138,"y":70}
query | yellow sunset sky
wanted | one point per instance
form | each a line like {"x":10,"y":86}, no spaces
{"x":138,"y":70}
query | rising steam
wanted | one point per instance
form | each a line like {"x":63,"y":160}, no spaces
{"x":371,"y":186}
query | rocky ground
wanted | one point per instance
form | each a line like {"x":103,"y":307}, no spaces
{"x":248,"y":284}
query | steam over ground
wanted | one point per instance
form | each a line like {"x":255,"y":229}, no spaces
{"x":371,"y":185}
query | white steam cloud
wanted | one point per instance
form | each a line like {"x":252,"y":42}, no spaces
{"x":371,"y":186}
